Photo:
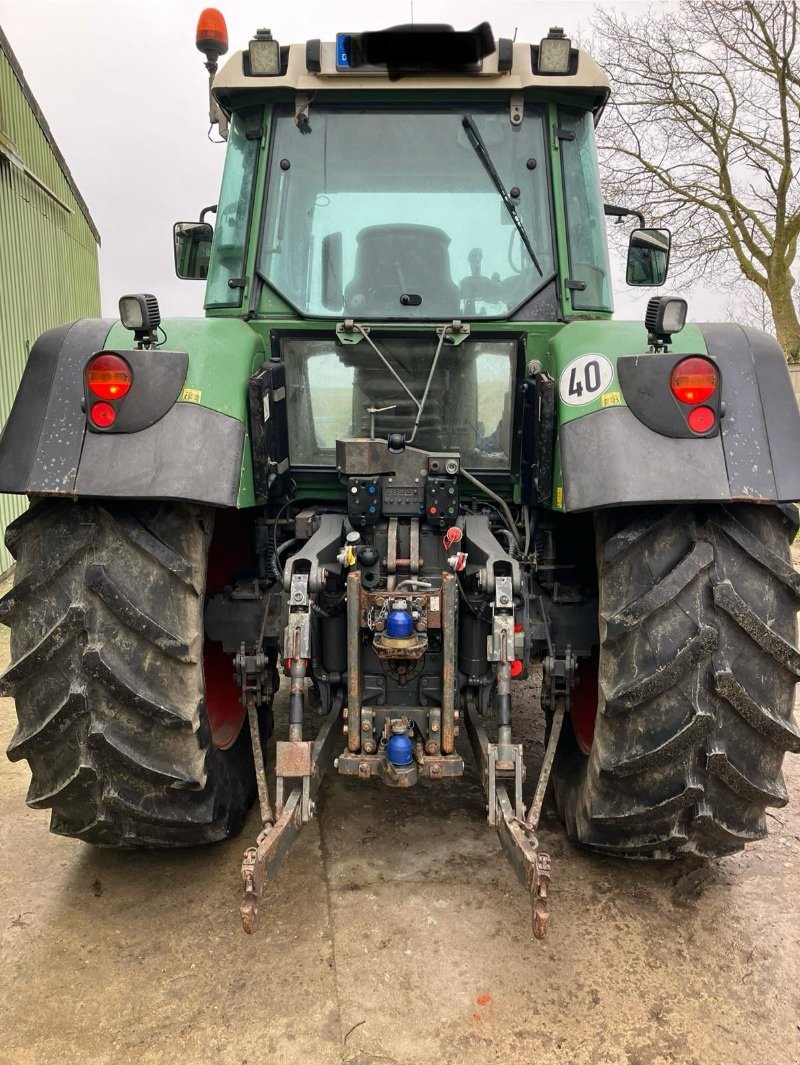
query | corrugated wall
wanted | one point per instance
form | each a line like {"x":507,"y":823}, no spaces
{"x":48,"y":254}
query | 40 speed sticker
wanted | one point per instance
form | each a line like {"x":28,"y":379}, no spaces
{"x":585,"y":379}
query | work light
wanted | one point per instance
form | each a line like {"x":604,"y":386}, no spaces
{"x":554,"y":52}
{"x":139,"y":312}
{"x":264,"y":55}
{"x":665,"y":315}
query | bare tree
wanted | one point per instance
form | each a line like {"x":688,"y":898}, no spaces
{"x":748,"y":305}
{"x":702,"y":134}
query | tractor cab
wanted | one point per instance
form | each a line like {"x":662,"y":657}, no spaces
{"x":413,"y":189}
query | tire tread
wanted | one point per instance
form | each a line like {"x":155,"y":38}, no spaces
{"x":106,"y":634}
{"x":699,"y":660}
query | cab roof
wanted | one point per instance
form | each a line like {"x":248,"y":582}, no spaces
{"x":312,"y":68}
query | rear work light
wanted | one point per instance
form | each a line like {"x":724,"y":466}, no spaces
{"x":694,"y":380}
{"x":108,"y":377}
{"x":102,"y":415}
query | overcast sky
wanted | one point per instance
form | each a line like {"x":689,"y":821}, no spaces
{"x":124,"y":91}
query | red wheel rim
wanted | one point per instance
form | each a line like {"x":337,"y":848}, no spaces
{"x":223,"y":704}
{"x":583,"y":702}
{"x":230,"y":556}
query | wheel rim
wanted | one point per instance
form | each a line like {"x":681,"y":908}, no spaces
{"x":223,"y":704}
{"x":230,"y":555}
{"x":583,"y":702}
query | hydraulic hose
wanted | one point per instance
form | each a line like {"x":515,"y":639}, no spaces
{"x":277,"y":571}
{"x":496,"y":499}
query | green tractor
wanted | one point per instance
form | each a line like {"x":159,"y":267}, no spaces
{"x":407,"y":455}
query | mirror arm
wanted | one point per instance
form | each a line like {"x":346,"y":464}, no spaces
{"x":213,"y":210}
{"x":623,"y":212}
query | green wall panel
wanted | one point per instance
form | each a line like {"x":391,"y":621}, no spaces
{"x":48,"y":252}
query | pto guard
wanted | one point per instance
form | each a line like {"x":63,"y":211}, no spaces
{"x":608,"y":457}
{"x":195,"y":452}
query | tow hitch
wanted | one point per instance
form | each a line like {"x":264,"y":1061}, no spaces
{"x":397,"y":637}
{"x":307,"y":762}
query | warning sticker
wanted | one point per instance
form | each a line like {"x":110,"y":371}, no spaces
{"x":611,"y":399}
{"x":190,"y":395}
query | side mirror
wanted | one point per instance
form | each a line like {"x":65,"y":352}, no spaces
{"x":332,"y":287}
{"x":648,"y":257}
{"x":192,"y":242}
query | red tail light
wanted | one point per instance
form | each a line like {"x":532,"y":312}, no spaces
{"x":109,"y":376}
{"x":694,"y":380}
{"x":103,"y":415}
{"x":701,"y":419}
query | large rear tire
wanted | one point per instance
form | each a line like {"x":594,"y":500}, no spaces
{"x":106,"y":619}
{"x":697,"y":674}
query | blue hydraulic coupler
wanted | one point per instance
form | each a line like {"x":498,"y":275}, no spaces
{"x":399,"y":749}
{"x":399,"y":625}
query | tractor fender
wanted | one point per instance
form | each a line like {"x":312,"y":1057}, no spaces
{"x":615,"y":455}
{"x":194,"y":450}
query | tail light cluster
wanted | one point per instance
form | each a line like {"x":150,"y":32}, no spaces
{"x":108,"y":381}
{"x":695,"y":384}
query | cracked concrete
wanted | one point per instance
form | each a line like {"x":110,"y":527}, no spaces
{"x":396,"y":933}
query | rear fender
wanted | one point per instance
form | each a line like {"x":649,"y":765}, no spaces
{"x":608,"y":452}
{"x":196,"y":448}
{"x":41,"y":443}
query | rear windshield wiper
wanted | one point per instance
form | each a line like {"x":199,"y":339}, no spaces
{"x":483,"y":154}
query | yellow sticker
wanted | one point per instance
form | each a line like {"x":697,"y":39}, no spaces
{"x":559,"y":498}
{"x":611,"y":399}
{"x":191,"y":395}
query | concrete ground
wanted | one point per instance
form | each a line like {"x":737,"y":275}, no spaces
{"x":395,"y":933}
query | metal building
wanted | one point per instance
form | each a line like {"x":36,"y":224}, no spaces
{"x":48,"y":242}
